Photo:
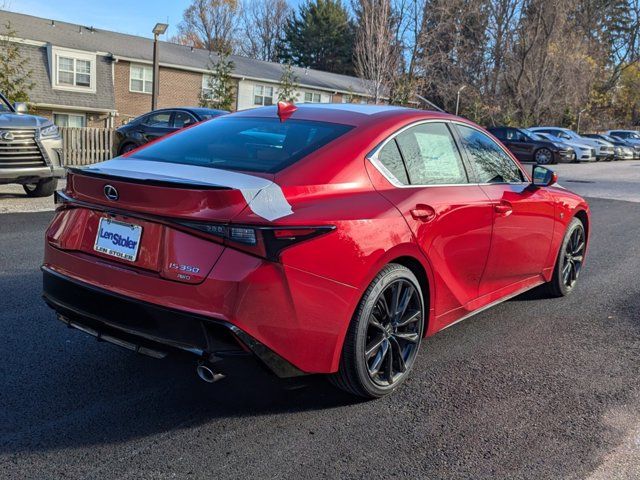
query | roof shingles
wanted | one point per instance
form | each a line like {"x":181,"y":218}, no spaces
{"x":78,"y":37}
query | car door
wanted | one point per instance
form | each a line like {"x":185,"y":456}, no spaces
{"x":157,"y":125}
{"x":523,"y":215}
{"x":451,"y":218}
{"x":520,"y":145}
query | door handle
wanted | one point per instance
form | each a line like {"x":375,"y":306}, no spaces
{"x":503,"y":208}
{"x":424,"y":213}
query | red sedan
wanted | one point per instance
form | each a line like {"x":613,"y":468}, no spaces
{"x":319,"y":238}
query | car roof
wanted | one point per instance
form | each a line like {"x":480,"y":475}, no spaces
{"x":348,"y":113}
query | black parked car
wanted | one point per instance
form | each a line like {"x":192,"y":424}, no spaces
{"x":528,"y":148}
{"x":158,"y":123}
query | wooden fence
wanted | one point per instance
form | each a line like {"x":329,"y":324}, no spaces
{"x":84,"y":146}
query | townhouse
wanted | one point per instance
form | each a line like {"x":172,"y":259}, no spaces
{"x":85,"y":76}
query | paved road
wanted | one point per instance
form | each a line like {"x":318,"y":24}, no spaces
{"x":533,"y":388}
{"x":615,"y":180}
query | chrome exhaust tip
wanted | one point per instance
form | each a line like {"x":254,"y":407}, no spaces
{"x":208,"y":375}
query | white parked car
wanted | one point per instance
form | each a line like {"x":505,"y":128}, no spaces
{"x":604,"y":150}
{"x":584,"y":153}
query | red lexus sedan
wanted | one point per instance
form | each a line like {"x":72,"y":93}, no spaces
{"x":319,"y":238}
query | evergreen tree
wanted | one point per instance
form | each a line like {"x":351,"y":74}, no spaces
{"x":221,"y":94}
{"x":15,"y":76}
{"x":288,"y":85}
{"x":321,"y":36}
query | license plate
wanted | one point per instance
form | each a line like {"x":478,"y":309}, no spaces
{"x":118,"y":239}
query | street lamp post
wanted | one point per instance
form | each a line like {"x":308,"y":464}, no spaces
{"x":458,"y":98}
{"x":578,"y":125}
{"x":159,"y":29}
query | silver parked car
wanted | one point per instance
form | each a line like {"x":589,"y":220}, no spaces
{"x":604,"y":150}
{"x":630,"y":136}
{"x":30,"y":150}
{"x":583,"y":153}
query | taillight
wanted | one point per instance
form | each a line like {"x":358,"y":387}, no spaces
{"x":267,"y":242}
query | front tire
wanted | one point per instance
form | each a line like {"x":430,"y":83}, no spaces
{"x":384,"y":337}
{"x":543,"y":156}
{"x":569,"y":261}
{"x":42,"y":188}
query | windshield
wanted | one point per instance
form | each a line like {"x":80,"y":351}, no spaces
{"x":535,"y":136}
{"x":251,"y":144}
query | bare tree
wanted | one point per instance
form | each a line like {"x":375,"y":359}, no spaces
{"x":374,"y":52}
{"x":209,"y":24}
{"x":262,"y":25}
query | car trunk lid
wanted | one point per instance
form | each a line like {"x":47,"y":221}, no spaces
{"x":136,"y":213}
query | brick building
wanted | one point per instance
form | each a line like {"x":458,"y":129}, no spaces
{"x":89,"y":77}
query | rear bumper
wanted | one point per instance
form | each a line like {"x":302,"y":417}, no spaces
{"x":151,"y":329}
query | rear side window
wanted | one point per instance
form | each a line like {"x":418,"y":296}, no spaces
{"x":252,"y":144}
{"x":390,"y":157}
{"x":499,"y":133}
{"x":491,"y":163}
{"x":160,"y":119}
{"x":431,"y":155}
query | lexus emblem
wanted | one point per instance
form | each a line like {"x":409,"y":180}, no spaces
{"x":7,"y":136}
{"x":111,"y":193}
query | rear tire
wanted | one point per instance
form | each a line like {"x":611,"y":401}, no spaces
{"x":384,"y":336}
{"x":42,"y":188}
{"x":569,"y":261}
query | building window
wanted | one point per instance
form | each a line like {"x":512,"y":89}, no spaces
{"x":70,"y":120}
{"x":141,"y":79}
{"x":310,"y":97}
{"x":73,"y":70}
{"x":262,"y":95}
{"x":207,"y":87}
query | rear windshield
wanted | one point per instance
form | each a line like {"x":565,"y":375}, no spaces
{"x":254,"y":144}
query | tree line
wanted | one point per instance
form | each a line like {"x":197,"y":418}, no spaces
{"x":515,"y":62}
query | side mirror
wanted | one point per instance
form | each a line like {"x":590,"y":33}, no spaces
{"x":543,"y":177}
{"x":20,"y":107}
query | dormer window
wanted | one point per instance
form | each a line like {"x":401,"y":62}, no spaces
{"x":73,"y":70}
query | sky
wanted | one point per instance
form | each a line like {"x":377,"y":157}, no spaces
{"x":136,"y":17}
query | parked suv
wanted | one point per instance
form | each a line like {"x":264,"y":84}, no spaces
{"x":527,"y":148}
{"x":30,"y":150}
{"x":159,"y":123}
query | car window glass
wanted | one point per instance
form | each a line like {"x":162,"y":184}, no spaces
{"x":390,"y":157}
{"x":431,"y":155}
{"x":499,"y":133}
{"x":252,"y":144}
{"x":183,"y":119}
{"x":491,"y":163}
{"x":160,"y":119}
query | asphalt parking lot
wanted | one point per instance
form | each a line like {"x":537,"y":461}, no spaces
{"x":533,"y":388}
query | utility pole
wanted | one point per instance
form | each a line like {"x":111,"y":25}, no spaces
{"x":458,"y":97}
{"x":158,"y":30}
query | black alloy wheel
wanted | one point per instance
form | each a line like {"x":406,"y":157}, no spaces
{"x":573,"y":257}
{"x":393,"y":333}
{"x":384,"y":336}
{"x":569,"y":261}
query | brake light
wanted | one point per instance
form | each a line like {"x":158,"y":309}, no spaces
{"x":267,"y":242}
